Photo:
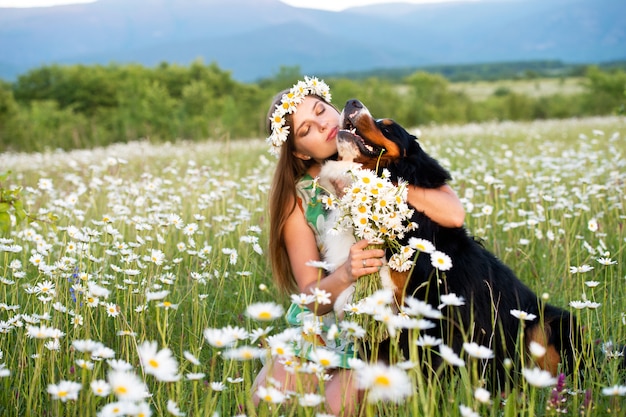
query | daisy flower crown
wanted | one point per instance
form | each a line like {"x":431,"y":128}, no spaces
{"x":287,"y":105}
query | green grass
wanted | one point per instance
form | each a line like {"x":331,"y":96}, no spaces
{"x":540,"y":87}
{"x":533,"y":191}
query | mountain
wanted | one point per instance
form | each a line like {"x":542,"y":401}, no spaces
{"x":254,"y":38}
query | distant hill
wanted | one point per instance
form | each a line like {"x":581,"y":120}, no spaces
{"x":254,"y":38}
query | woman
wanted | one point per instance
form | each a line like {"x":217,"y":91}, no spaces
{"x":303,"y":130}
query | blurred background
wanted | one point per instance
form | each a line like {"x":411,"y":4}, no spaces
{"x":90,"y":73}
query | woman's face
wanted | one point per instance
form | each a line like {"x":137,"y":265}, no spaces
{"x":315,"y":127}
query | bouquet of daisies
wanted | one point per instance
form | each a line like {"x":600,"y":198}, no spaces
{"x":374,"y":208}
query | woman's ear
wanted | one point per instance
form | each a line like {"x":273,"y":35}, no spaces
{"x":302,"y":156}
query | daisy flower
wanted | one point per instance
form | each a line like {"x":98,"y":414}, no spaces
{"x":46,"y":287}
{"x":112,"y":309}
{"x":440,"y":260}
{"x":538,"y":377}
{"x":271,"y":395}
{"x":310,"y":400}
{"x":83,"y":364}
{"x":117,"y":408}
{"x":103,"y":353}
{"x":415,"y":307}
{"x":427,"y":340}
{"x":64,"y":390}
{"x":522,"y":315}
{"x":218,"y":337}
{"x":260,"y":333}
{"x":325,"y":358}
{"x":264,"y":311}
{"x":244,"y":353}
{"x":161,"y":363}
{"x":279,"y":347}
{"x":191,"y":358}
{"x":615,"y":390}
{"x":217,"y":386}
{"x":100,"y":388}
{"x":482,"y":395}
{"x":127,"y":386}
{"x":119,"y":365}
{"x":352,"y":329}
{"x":451,"y":300}
{"x":157,"y":257}
{"x":321,"y":297}
{"x":467,"y":411}
{"x":607,"y":261}
{"x":156,"y":295}
{"x":580,"y":269}
{"x":384,"y":383}
{"x":320,"y":265}
{"x":302,"y":299}
{"x":421,"y":245}
{"x":86,"y":345}
{"x":578,"y":305}
{"x":536,"y":349}
{"x":173,"y":409}
{"x":477,"y":351}
{"x":450,"y":357}
{"x":43,"y":332}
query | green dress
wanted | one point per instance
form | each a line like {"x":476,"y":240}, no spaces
{"x":311,"y":204}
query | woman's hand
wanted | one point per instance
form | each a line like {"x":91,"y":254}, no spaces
{"x":363,"y":261}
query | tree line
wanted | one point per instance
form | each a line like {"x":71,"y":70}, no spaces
{"x":84,"y":106}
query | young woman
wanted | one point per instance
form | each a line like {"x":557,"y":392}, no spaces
{"x":303,"y":130}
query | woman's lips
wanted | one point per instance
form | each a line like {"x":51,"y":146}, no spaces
{"x":332,"y":134}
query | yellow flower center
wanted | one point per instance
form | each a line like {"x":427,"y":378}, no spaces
{"x":153,"y":363}
{"x":382,"y":380}
{"x":265,"y":315}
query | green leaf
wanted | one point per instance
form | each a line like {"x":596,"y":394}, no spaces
{"x":4,"y":175}
{"x":510,"y":409}
{"x":5,"y":224}
{"x":20,"y":214}
{"x":5,"y":207}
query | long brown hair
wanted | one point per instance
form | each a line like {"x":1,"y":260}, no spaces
{"x":282,"y":202}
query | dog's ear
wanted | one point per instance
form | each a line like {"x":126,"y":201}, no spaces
{"x":415,"y":165}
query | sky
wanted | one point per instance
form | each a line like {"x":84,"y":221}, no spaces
{"x":334,"y":5}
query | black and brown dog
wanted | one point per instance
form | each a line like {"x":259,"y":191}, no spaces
{"x":490,"y":288}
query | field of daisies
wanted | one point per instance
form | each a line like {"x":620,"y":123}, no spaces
{"x":143,"y":288}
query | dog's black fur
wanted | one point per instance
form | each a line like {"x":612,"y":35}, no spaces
{"x":490,"y":288}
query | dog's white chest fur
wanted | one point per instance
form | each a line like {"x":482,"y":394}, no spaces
{"x":334,"y":177}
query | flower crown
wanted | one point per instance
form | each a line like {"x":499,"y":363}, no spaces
{"x":288,"y":103}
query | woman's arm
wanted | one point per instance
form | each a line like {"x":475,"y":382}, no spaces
{"x":302,"y":248}
{"x":441,"y":204}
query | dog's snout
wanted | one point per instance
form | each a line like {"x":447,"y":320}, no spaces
{"x":354,"y":104}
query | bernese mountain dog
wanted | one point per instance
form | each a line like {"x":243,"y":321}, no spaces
{"x":491,"y":290}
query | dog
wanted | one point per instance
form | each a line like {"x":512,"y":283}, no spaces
{"x":491,"y":290}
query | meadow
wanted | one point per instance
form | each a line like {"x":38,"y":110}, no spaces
{"x":537,"y":87}
{"x":143,"y":286}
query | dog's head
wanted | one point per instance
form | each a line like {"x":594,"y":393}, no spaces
{"x":383,"y":143}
